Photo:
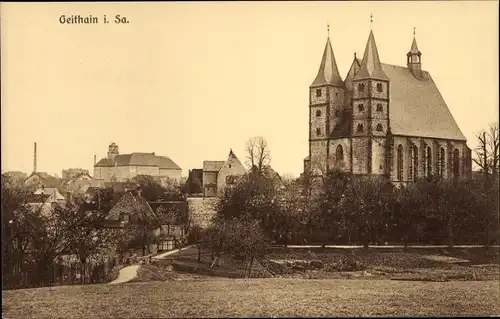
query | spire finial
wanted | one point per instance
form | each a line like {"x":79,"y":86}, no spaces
{"x":414,"y":31}
{"x":355,"y":55}
{"x":328,"y":28}
{"x":371,"y":21}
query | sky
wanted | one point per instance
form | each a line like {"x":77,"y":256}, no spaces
{"x":191,"y":80}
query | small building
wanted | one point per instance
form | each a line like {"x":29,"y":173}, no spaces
{"x":161,"y":218}
{"x":218,"y":174}
{"x":118,"y":167}
{"x":42,"y":179}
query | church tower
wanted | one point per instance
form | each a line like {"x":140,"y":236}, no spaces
{"x":370,"y":114}
{"x":326,"y":98}
{"x":414,"y":61}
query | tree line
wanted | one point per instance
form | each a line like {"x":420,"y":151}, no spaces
{"x":39,"y":242}
{"x":349,"y":209}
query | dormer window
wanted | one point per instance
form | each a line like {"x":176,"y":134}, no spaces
{"x":318,"y":131}
{"x":379,"y":87}
{"x":379,"y":107}
{"x":379,"y":128}
{"x":318,"y":92}
{"x":361,"y":107}
{"x":318,"y":113}
{"x":361,"y":87}
{"x":360,"y":128}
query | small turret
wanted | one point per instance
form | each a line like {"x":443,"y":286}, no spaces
{"x":414,"y":61}
{"x":112,"y":151}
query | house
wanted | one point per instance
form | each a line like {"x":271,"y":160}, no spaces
{"x":123,"y":167}
{"x":219,"y":174}
{"x":382,"y":120}
{"x":44,"y":200}
{"x":42,"y":179}
{"x":161,"y":218}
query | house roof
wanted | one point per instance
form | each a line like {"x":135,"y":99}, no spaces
{"x":48,"y":180}
{"x":138,"y":159}
{"x":48,"y":191}
{"x":417,"y":107}
{"x":328,"y":72}
{"x":133,"y":203}
{"x":370,"y":65}
{"x":212,"y":166}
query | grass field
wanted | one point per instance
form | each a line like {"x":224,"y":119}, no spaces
{"x":255,"y":297}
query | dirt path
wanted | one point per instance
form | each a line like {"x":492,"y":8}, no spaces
{"x":126,"y":274}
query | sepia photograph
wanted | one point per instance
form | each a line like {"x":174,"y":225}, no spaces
{"x":222,"y":159}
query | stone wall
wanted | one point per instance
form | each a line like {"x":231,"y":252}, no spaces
{"x":201,"y":210}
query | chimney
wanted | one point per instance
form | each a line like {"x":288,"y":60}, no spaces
{"x":34,"y":158}
{"x":95,"y":159}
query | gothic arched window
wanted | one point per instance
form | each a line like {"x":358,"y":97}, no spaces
{"x":318,"y":92}
{"x":429,"y":162}
{"x":360,"y":128}
{"x":379,"y":107}
{"x":413,"y":163}
{"x":441,"y":162}
{"x":318,"y":113}
{"x":456,"y":163}
{"x":361,"y":107}
{"x":339,"y":155}
{"x":399,"y":161}
{"x":379,"y":87}
{"x":361,"y":87}
{"x":380,"y":128}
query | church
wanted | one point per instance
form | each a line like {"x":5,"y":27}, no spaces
{"x":382,"y":119}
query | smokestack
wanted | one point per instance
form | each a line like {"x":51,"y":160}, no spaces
{"x":34,"y":158}
{"x":95,"y":158}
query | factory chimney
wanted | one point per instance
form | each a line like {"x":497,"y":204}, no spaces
{"x":34,"y":158}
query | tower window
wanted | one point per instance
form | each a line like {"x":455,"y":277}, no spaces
{"x":379,"y":87}
{"x":361,"y":87}
{"x":318,"y":131}
{"x":337,"y":113}
{"x":379,"y":107}
{"x":379,"y":127}
{"x":456,"y":162}
{"x":336,"y":93}
{"x":360,"y":128}
{"x":318,"y":92}
{"x":361,"y":107}
{"x":318,"y":113}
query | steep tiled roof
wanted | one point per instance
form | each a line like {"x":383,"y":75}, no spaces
{"x":417,"y":107}
{"x":356,"y":64}
{"x":212,"y":166}
{"x":133,"y":204}
{"x":139,"y":159}
{"x":328,"y":72}
{"x":370,"y":65}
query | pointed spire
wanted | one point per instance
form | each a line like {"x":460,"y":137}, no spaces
{"x":370,"y":66}
{"x":414,"y":46}
{"x":328,"y":72}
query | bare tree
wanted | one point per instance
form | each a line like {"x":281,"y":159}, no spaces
{"x":487,"y":152}
{"x":258,"y":154}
